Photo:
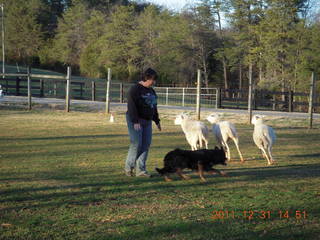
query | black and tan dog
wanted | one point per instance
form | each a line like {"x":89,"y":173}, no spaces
{"x":200,"y":160}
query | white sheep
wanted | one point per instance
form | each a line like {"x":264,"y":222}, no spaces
{"x":196,"y":132}
{"x":223,"y":132}
{"x":264,"y":137}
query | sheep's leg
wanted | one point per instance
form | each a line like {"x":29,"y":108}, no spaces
{"x":200,"y":171}
{"x":237,"y":145}
{"x":264,"y":154}
{"x":200,"y":141}
{"x":205,"y":142}
{"x":271,"y":158}
{"x":179,"y":172}
{"x":228,"y":150}
{"x":192,"y":147}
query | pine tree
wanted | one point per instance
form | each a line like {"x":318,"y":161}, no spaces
{"x":203,"y":38}
{"x":95,"y":28}
{"x":245,"y":17}
{"x":116,"y":44}
{"x":23,"y":32}
{"x":280,"y":42}
{"x":71,"y":36}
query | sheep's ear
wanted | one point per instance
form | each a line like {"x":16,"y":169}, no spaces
{"x":216,"y":148}
{"x":221,"y":148}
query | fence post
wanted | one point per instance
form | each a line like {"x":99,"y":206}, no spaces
{"x":254,"y":97}
{"x":93,"y":90}
{"x":81,"y":90}
{"x":17,"y":86}
{"x":219,"y":98}
{"x":108,"y":92}
{"x":274,"y":99}
{"x":290,"y":101}
{"x":121,"y":92}
{"x":237,"y":99}
{"x":167,"y":96}
{"x":41,"y":88}
{"x":216,"y":98}
{"x":55,"y":88}
{"x":198,"y":94}
{"x":183,"y":96}
{"x":68,"y":89}
{"x":311,"y":98}
{"x":250,"y":93}
{"x":29,"y":88}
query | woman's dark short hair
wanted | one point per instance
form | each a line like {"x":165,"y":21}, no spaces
{"x":149,"y":74}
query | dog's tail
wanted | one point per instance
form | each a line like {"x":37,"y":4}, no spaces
{"x":160,"y":171}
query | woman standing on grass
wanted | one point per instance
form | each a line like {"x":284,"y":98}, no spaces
{"x":142,"y":110}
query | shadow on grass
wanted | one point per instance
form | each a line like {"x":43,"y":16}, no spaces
{"x":314,"y":155}
{"x":15,"y":109}
{"x":65,"y":137}
{"x":65,"y":153}
{"x":85,"y":137}
{"x":105,"y":185}
{"x":220,"y":229}
{"x":277,"y":172}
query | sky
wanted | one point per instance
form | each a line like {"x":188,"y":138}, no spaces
{"x":173,"y":4}
{"x":177,"y":5}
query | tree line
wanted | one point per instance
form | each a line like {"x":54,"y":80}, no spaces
{"x":279,"y":39}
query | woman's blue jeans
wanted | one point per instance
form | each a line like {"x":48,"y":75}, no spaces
{"x":140,"y":142}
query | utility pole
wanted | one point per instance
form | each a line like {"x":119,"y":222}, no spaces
{"x":2,"y":34}
{"x":311,"y":98}
{"x":108,"y":91}
{"x":250,"y":93}
{"x":198,"y":94}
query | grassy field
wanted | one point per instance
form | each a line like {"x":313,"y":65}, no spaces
{"x":61,"y":177}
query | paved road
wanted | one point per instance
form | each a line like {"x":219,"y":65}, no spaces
{"x":101,"y":106}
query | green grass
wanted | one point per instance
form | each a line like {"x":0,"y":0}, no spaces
{"x":61,"y":177}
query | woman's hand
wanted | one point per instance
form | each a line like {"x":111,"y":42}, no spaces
{"x":137,"y":126}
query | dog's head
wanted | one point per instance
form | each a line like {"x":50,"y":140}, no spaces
{"x":220,"y":156}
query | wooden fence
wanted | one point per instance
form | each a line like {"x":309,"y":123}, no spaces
{"x":41,"y":85}
{"x":216,"y":98}
{"x":267,"y":100}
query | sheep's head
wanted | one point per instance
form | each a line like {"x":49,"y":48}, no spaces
{"x":213,"y":118}
{"x":257,"y":119}
{"x":180,"y":118}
